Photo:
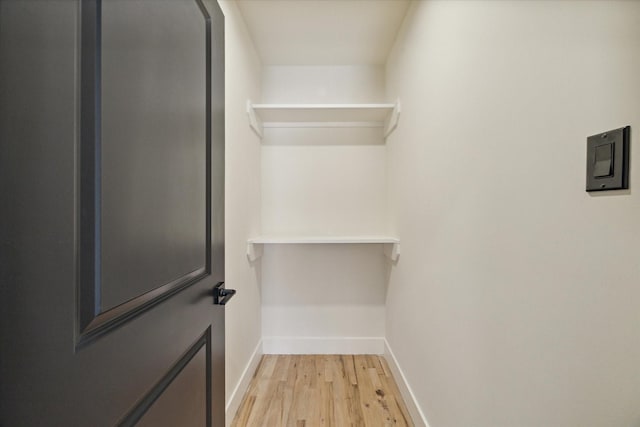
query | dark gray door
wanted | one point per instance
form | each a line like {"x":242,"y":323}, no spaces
{"x":112,"y":212}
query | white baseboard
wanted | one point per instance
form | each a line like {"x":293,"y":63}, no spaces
{"x":405,"y":389}
{"x":243,"y":384}
{"x":323,"y":345}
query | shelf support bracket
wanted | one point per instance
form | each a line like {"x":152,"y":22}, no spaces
{"x":253,"y":120}
{"x":392,"y":250}
{"x":392,"y":124}
{"x":254,"y":251}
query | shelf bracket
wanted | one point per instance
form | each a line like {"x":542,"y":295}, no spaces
{"x":392,"y":124}
{"x":254,"y":251}
{"x":253,"y":120}
{"x":392,"y":250}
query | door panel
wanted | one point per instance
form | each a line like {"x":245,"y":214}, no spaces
{"x":84,"y":341}
{"x":145,"y":156}
{"x":183,"y":400}
{"x":153,"y":146}
{"x":182,"y":396}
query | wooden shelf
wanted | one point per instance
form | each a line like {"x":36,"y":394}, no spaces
{"x":254,"y":252}
{"x":323,"y":115}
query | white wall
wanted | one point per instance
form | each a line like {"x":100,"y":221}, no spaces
{"x":316,"y":298}
{"x":323,"y":84}
{"x":242,"y":203}
{"x":516,"y":301}
{"x":323,"y":180}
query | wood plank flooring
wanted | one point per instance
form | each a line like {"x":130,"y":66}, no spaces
{"x":322,"y":390}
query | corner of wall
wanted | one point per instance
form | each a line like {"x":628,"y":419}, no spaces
{"x":417,"y":416}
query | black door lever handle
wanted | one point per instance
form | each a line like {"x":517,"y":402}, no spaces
{"x":221,"y":295}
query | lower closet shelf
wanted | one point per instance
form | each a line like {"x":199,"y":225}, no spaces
{"x":254,"y":245}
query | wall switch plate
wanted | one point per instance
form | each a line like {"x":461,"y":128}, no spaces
{"x":608,"y":160}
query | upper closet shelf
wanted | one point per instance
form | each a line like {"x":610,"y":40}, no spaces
{"x":323,"y":115}
{"x":254,"y":245}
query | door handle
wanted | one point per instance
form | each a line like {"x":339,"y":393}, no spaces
{"x":221,"y":295}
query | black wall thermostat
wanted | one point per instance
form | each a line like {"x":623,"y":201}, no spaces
{"x":608,"y":160}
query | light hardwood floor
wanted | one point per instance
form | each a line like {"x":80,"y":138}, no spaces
{"x":322,"y":390}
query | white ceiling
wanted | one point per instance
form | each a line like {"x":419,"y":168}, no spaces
{"x":323,"y":32}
